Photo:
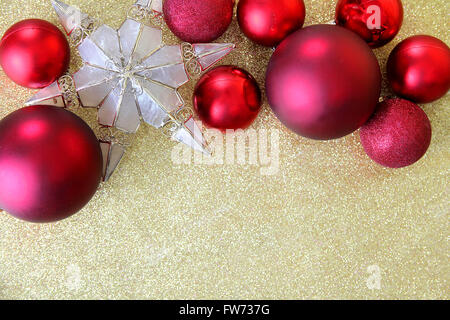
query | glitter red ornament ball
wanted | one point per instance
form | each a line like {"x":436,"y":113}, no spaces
{"x":397,"y":135}
{"x":419,"y":69}
{"x":50,"y":163}
{"x":376,"y":21}
{"x":323,"y":82}
{"x":268,"y":22}
{"x":34,"y":53}
{"x":227,"y":97}
{"x":198,"y":21}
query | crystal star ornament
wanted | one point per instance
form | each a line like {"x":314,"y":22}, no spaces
{"x":129,"y":75}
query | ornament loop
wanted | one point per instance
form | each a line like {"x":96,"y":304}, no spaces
{"x":184,"y":114}
{"x":190,"y":58}
{"x":193,"y":67}
{"x":111,"y":135}
{"x":68,"y":91}
{"x":144,"y":15}
{"x":169,"y":128}
{"x":83,"y":31}
{"x":188,"y":51}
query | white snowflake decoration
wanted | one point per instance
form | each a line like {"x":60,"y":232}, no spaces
{"x":130,"y":75}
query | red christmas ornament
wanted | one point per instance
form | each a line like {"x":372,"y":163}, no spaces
{"x":398,"y":134}
{"x":198,"y":21}
{"x":227,"y":98}
{"x":376,"y":21}
{"x":419,"y":69}
{"x":50,"y":163}
{"x":34,"y":53}
{"x":268,"y":22}
{"x":323,"y":82}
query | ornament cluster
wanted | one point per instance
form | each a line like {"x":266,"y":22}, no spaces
{"x":322,"y":82}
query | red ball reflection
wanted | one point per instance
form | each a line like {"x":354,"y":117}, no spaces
{"x":376,"y":21}
{"x":268,"y":22}
{"x":34,"y":53}
{"x":50,"y":163}
{"x":227,"y":97}
{"x":419,"y":69}
{"x":323,"y":82}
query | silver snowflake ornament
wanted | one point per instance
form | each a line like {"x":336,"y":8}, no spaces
{"x":130,"y":75}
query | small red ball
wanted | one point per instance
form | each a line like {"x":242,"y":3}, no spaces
{"x":50,"y":163}
{"x":419,"y":69}
{"x":376,"y":21}
{"x":397,"y":135}
{"x":268,"y":22}
{"x":323,"y":82}
{"x":227,"y":97}
{"x":198,"y":21}
{"x":34,"y":53}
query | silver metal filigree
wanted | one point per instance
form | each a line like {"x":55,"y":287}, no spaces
{"x":130,"y":75}
{"x":147,"y":11}
{"x":69,"y":92}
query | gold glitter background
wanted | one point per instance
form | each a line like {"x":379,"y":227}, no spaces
{"x":158,"y":230}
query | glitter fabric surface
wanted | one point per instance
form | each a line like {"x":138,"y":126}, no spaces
{"x":330,"y":223}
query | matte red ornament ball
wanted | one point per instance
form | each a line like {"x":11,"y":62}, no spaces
{"x":398,"y":134}
{"x":198,"y":21}
{"x":227,"y":97}
{"x":323,"y":82}
{"x":376,"y":21}
{"x":34,"y":53}
{"x":268,"y":22}
{"x":50,"y":163}
{"x":419,"y":69}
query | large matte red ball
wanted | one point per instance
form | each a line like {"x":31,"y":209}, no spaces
{"x":323,"y":82}
{"x":376,"y":21}
{"x":34,"y":53}
{"x":398,"y":134}
{"x":268,"y":22}
{"x":419,"y":69}
{"x":50,"y":164}
{"x":227,"y":97}
{"x":198,"y":21}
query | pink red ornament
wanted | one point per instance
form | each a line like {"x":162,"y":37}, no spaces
{"x":268,"y":22}
{"x":323,"y":82}
{"x":376,"y":21}
{"x":198,"y":21}
{"x":50,"y":163}
{"x":419,"y":69}
{"x":34,"y":53}
{"x":227,"y":98}
{"x":398,"y":134}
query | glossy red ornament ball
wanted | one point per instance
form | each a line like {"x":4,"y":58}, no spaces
{"x":397,"y":135}
{"x":227,"y":97}
{"x":198,"y":21}
{"x":50,"y":163}
{"x":34,"y":53}
{"x":323,"y":82}
{"x":419,"y":69}
{"x":268,"y":22}
{"x":376,"y":21}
